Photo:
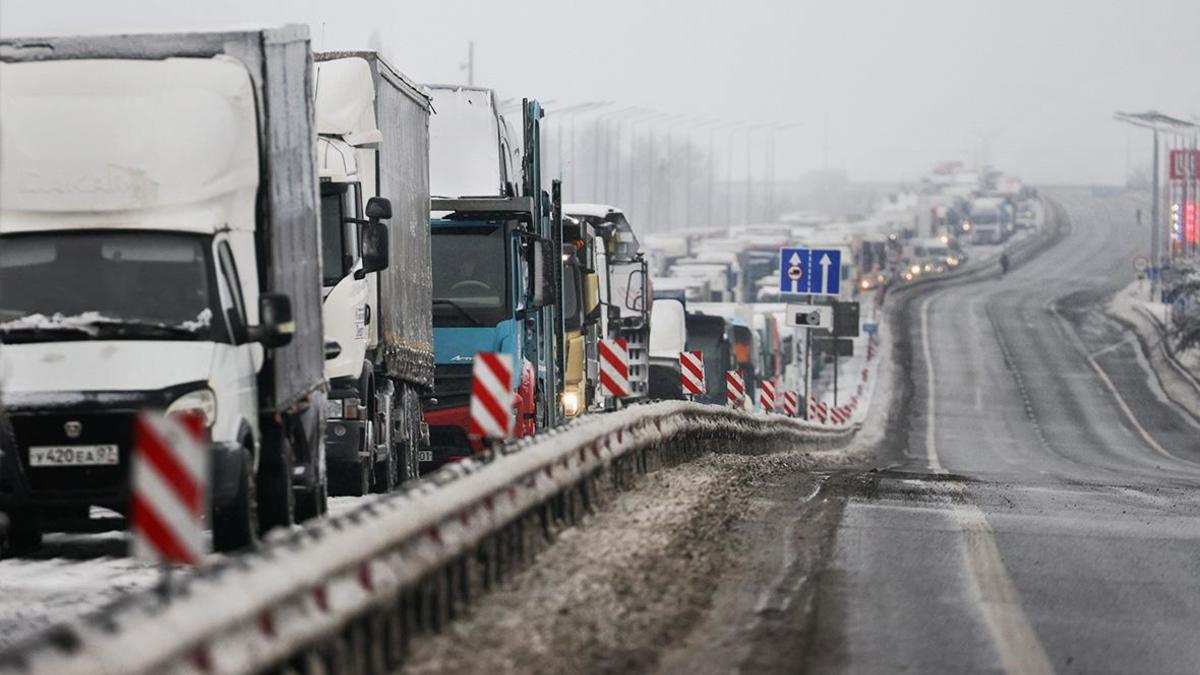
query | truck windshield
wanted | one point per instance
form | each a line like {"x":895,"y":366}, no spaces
{"x":470,"y":277}
{"x":106,"y":285}
{"x":339,"y":238}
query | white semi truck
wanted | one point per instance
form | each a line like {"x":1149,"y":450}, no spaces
{"x":373,"y":126}
{"x":159,"y":250}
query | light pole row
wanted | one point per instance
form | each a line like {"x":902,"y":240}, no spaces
{"x":653,"y":166}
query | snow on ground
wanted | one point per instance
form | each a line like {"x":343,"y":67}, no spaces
{"x":1131,"y":306}
{"x":70,"y":575}
{"x":610,"y":594}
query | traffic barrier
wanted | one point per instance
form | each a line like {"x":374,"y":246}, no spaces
{"x":491,"y":396}
{"x":350,"y":593}
{"x":170,"y":488}
{"x":691,"y":373}
{"x":735,"y":388}
{"x":766,"y":395}
{"x":614,"y":367}
{"x":789,"y":403}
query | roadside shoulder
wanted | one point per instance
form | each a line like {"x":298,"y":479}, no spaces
{"x":1180,"y":385}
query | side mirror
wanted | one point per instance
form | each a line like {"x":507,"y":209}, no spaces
{"x":375,"y":236}
{"x":275,"y":323}
{"x":379,"y":208}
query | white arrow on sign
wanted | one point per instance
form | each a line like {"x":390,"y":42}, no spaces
{"x":794,"y":261}
{"x":825,"y":263}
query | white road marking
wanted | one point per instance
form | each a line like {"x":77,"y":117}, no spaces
{"x":1065,"y":327}
{"x":930,"y":403}
{"x":1013,"y":637}
{"x":1116,"y":345}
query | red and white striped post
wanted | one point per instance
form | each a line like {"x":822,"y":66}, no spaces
{"x":691,"y":373}
{"x":491,"y":397}
{"x":789,"y":403}
{"x":766,"y":395}
{"x":614,"y":368}
{"x":735,"y":388}
{"x":170,"y":488}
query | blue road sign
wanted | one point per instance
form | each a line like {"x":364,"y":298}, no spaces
{"x":814,"y":271}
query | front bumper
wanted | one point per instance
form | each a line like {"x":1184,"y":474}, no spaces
{"x":448,"y":439}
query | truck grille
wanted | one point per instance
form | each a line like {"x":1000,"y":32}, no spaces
{"x":452,"y":386}
{"x":81,"y":481}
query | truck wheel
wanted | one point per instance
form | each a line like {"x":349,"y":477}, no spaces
{"x":407,"y":435}
{"x":313,"y":500}
{"x":24,"y":533}
{"x":276,"y":502}
{"x":236,"y":526}
{"x":384,"y":475}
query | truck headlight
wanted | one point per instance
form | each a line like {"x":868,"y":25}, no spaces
{"x":344,"y":409}
{"x":202,"y":403}
{"x":570,"y":403}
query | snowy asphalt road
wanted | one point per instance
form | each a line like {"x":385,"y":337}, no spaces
{"x":1033,"y":521}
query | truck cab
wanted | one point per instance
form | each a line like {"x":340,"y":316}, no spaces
{"x":346,"y":142}
{"x":141,"y":246}
{"x":496,"y":264}
{"x":581,"y":312}
{"x":625,"y":291}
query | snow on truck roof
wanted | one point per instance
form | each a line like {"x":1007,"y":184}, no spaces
{"x":464,"y":142}
{"x":590,"y":210}
{"x":95,"y":143}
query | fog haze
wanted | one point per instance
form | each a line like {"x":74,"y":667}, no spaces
{"x":892,"y":86}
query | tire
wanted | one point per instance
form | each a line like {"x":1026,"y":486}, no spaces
{"x":276,"y":501}
{"x":24,"y":533}
{"x":407,"y":434}
{"x":313,"y":502}
{"x":235,"y":527}
{"x":384,"y":473}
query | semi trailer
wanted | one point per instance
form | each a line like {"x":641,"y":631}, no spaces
{"x":373,"y":126}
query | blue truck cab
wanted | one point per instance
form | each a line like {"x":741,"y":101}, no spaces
{"x":483,"y":281}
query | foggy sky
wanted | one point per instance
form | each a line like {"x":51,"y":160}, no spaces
{"x":898,"y":84}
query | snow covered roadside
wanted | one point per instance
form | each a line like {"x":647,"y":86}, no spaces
{"x":612,"y":593}
{"x":71,"y":574}
{"x":1178,"y":374}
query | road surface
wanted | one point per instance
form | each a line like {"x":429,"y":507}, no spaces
{"x":1042,"y":513}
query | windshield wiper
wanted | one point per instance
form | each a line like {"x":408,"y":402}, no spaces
{"x":36,"y":333}
{"x":143,"y":327}
{"x":459,"y":308}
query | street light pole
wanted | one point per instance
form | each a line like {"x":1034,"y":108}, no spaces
{"x":1156,"y":121}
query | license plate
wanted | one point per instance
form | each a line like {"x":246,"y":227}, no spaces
{"x":424,"y":455}
{"x":74,"y":455}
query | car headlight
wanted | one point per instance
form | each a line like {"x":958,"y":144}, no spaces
{"x":916,"y":269}
{"x":201,"y":402}
{"x":570,"y":403}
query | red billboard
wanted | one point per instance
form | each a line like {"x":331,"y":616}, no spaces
{"x":1183,"y":163}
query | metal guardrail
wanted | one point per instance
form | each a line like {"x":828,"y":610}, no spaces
{"x":347,"y":594}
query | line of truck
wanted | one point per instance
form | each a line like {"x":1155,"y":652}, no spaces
{"x":303,"y":250}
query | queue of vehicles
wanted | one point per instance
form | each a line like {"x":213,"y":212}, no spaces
{"x":302,"y":251}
